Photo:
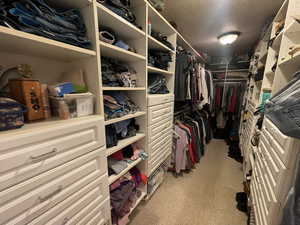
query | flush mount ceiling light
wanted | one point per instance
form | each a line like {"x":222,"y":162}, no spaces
{"x":229,"y":37}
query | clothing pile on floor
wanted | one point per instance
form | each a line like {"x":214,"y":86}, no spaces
{"x":39,"y":18}
{"x":119,"y":161}
{"x":118,"y":104}
{"x":117,"y":74}
{"x":123,"y":195}
{"x":189,"y":141}
{"x":159,"y":59}
{"x":157,"y":84}
{"x":119,"y":131}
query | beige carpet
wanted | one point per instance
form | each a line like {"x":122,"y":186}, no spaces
{"x":204,"y":197}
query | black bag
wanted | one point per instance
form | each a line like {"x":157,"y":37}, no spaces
{"x":111,"y":136}
{"x":11,"y":114}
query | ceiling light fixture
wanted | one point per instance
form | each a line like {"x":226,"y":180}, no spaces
{"x":229,"y":37}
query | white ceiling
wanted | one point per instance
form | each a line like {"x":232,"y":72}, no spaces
{"x":202,"y":21}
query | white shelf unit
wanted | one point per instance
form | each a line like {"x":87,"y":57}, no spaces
{"x":270,"y":192}
{"x":50,"y":59}
{"x":77,"y":143}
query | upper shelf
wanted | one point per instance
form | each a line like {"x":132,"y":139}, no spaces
{"x":277,"y":42}
{"x":187,"y":46}
{"x":282,"y":12}
{"x":124,"y":28}
{"x":67,"y":4}
{"x":18,"y":42}
{"x":158,"y":22}
{"x":155,"y":44}
{"x":152,"y":69}
{"x":115,"y":52}
{"x":291,"y":63}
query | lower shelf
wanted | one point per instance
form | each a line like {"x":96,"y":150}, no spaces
{"x":138,"y":201}
{"x":113,"y":178}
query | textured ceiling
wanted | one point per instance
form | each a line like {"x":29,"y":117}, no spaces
{"x":202,"y":21}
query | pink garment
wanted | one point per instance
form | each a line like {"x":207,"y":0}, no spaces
{"x":181,"y":146}
{"x":124,"y":220}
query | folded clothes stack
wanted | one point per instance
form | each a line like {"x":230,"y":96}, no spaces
{"x":121,"y":8}
{"x":161,"y":38}
{"x":38,"y":17}
{"x":116,"y":74}
{"x":117,"y":104}
{"x":118,"y":161}
{"x":124,"y":194}
{"x":157,"y":84}
{"x":159,"y":59}
{"x":119,"y":131}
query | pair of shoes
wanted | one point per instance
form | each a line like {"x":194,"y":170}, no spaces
{"x":242,"y":201}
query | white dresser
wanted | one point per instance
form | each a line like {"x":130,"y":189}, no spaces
{"x":55,"y":174}
{"x":273,"y":171}
{"x":160,"y":122}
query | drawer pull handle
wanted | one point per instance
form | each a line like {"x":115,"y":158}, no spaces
{"x":44,"y":156}
{"x":58,"y":190}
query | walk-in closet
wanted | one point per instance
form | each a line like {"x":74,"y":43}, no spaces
{"x":149,"y":112}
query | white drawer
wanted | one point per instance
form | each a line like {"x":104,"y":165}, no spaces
{"x":33,"y":203}
{"x":94,"y":212}
{"x":37,"y":152}
{"x":157,"y":130}
{"x":160,"y":99}
{"x":160,"y":148}
{"x":60,"y":214}
{"x":159,"y":159}
{"x":284,"y":153}
{"x":159,"y":141}
{"x":159,"y":112}
{"x":283,"y":140}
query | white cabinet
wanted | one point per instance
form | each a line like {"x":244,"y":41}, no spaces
{"x":57,"y":175}
{"x":160,"y":122}
{"x":272,"y":173}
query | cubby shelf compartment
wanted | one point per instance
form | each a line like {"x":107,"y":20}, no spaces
{"x":157,"y":45}
{"x":19,"y":42}
{"x":115,"y":52}
{"x":152,"y":69}
{"x":291,"y":63}
{"x":127,"y":30}
{"x":114,"y":177}
{"x":123,"y":89}
{"x":123,"y":143}
{"x":158,"y":22}
{"x":277,"y":42}
{"x":127,"y":117}
{"x":293,"y":30}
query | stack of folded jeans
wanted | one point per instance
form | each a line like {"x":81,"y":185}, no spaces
{"x":283,"y":109}
{"x":116,"y":74}
{"x":161,"y":38}
{"x":117,"y":104}
{"x":37,"y":17}
{"x":159,"y":59}
{"x":121,"y":8}
{"x":119,"y":131}
{"x":157,"y":84}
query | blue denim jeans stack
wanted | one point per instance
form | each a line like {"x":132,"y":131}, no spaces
{"x":39,"y":18}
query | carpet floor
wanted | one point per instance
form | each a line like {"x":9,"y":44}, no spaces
{"x":206,"y":196}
